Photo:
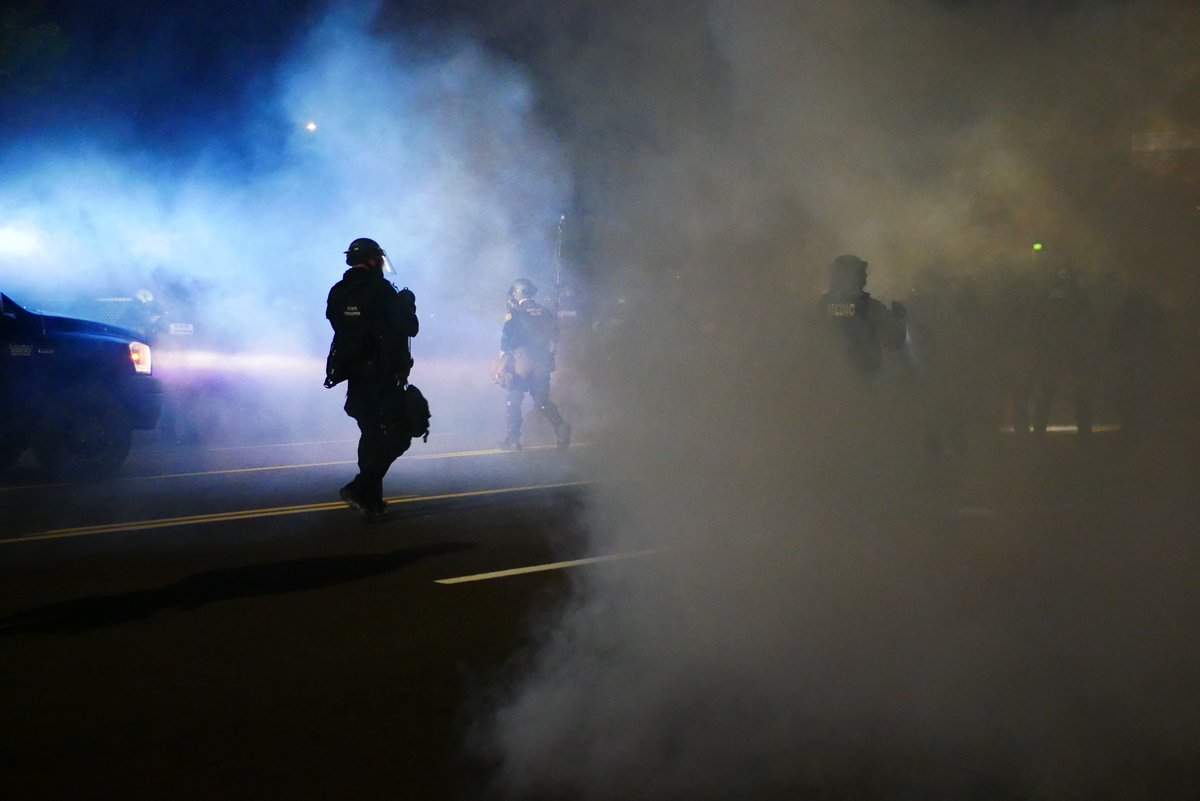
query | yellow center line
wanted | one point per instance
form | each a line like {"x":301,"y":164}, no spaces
{"x":268,"y":468}
{"x":519,"y":571}
{"x":249,"y":514}
{"x":281,"y":445}
{"x":234,"y":470}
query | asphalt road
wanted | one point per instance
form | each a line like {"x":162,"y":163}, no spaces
{"x":214,"y":623}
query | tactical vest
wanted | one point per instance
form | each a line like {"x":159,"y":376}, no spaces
{"x":850,"y":316}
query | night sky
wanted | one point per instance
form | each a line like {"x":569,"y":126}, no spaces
{"x":167,"y":80}
{"x":177,"y":79}
{"x":173,"y":79}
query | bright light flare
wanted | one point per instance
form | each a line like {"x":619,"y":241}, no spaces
{"x":312,"y":126}
{"x":253,"y":363}
{"x":19,"y":241}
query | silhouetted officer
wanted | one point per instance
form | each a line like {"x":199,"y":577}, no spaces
{"x":1138,"y":353}
{"x":955,"y":384}
{"x":1063,"y":324}
{"x":526,"y":361}
{"x":372,"y":323}
{"x":865,"y":326}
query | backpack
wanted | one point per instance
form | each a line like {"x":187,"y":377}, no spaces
{"x":414,"y":413}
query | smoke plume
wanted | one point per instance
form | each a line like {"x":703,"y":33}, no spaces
{"x":830,"y":611}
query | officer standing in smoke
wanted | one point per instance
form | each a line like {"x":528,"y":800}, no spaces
{"x":1064,"y":326}
{"x":526,"y":361}
{"x":955,"y":386}
{"x":865,"y":326}
{"x":372,"y":323}
{"x":1137,"y":353}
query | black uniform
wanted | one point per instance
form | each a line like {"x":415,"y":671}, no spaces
{"x":863,"y":324}
{"x":1137,"y":354}
{"x":528,"y":336}
{"x":372,"y":323}
{"x":1063,"y":324}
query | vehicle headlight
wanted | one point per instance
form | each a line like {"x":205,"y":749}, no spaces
{"x":139,"y":354}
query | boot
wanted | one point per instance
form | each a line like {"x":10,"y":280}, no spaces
{"x":562,"y":431}
{"x":512,"y":436}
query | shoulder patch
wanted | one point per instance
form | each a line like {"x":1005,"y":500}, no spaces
{"x":507,"y":316}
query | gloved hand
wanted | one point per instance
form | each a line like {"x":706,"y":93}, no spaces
{"x":502,"y":370}
{"x":407,"y":297}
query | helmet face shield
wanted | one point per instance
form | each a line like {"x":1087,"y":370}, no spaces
{"x":365,"y":251}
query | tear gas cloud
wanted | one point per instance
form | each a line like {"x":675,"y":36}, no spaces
{"x":830,"y":610}
{"x":833,"y":612}
{"x":430,"y":150}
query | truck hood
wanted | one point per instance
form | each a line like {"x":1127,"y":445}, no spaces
{"x":70,"y":325}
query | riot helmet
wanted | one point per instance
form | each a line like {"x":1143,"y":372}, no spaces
{"x":847,"y":263}
{"x":521,"y":289}
{"x":365,"y":251}
{"x":848,"y":274}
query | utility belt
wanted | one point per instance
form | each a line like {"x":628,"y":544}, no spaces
{"x":339,"y":368}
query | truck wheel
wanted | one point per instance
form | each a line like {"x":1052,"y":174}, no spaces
{"x":84,"y":433}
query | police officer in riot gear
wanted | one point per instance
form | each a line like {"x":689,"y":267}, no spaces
{"x":1063,"y":322}
{"x":372,"y":323}
{"x":1137,"y":356}
{"x":864,"y":325}
{"x":527,"y":359}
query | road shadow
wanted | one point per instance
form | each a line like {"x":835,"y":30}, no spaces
{"x":249,"y":581}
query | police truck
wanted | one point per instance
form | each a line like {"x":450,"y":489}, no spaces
{"x":72,"y":390}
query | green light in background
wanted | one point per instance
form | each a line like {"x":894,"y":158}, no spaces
{"x":1037,"y":246}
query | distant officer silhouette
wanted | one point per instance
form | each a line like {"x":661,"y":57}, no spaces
{"x":1138,"y":353}
{"x":864,"y":325}
{"x":1063,"y":326}
{"x":526,"y":362}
